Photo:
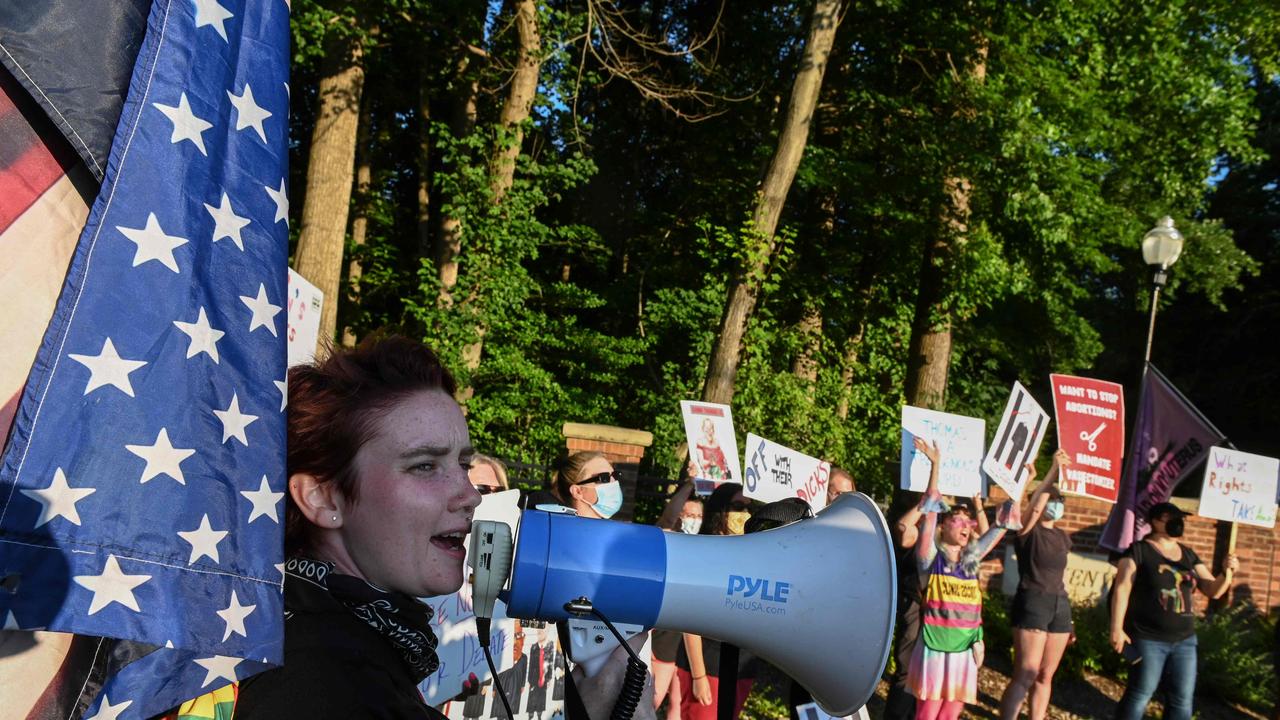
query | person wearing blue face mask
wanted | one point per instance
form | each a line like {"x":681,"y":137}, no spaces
{"x":588,"y":483}
{"x":1042,"y":626}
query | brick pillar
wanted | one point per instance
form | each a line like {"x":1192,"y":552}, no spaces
{"x":622,"y":446}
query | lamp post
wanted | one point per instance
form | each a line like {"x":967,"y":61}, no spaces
{"x":1161,"y":247}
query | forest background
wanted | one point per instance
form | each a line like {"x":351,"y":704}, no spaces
{"x":815,"y":211}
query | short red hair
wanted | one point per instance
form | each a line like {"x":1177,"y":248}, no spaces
{"x":334,"y":405}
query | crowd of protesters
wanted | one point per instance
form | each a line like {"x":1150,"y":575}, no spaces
{"x":938,"y":646}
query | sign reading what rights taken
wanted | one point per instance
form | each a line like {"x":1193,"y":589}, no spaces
{"x":776,"y":472}
{"x":1090,"y":420}
{"x":1239,"y":487}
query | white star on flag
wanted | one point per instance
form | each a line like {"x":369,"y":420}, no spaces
{"x":111,"y":586}
{"x":248,"y":112}
{"x":281,"y":199}
{"x":204,"y":339}
{"x":59,"y":499}
{"x":153,"y":243}
{"x":283,"y":387}
{"x":204,"y":541}
{"x":218,"y":666}
{"x":226,"y":223}
{"x":162,"y":458}
{"x":234,"y":617}
{"x":234,"y":422}
{"x":264,"y":502}
{"x":186,"y":126}
{"x":264,"y":312}
{"x":107,"y":711}
{"x":209,"y":12}
{"x":108,"y":368}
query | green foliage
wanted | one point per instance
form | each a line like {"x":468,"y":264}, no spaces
{"x":598,"y":282}
{"x":1237,"y":655}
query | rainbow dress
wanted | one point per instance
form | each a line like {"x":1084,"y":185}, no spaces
{"x":943,"y":666}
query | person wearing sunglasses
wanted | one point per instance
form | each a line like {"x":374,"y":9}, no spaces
{"x":943,"y":674}
{"x":588,"y":483}
{"x":487,"y":474}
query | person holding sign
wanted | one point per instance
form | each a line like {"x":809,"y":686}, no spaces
{"x":943,"y":674}
{"x":1152,"y":620}
{"x":1042,"y":623}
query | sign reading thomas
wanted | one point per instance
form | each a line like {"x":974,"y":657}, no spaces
{"x":776,"y":472}
{"x":960,"y":440}
{"x":1017,"y":440}
{"x":1239,"y":487}
{"x":1090,"y":415}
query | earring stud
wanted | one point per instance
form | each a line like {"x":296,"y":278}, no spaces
{"x":335,"y":518}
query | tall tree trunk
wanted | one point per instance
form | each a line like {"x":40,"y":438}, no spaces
{"x":515,"y":112}
{"x":745,"y":288}
{"x":805,"y":365}
{"x":519,"y":101}
{"x":424,"y":168}
{"x":329,"y":170}
{"x":448,"y":234}
{"x":929,"y":353}
{"x":360,"y":219}
{"x":848,"y":364}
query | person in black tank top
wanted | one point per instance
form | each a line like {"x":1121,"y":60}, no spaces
{"x":1041,"y":610}
{"x":1152,"y":617}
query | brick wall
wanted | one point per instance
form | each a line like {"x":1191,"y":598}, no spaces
{"x":1258,"y":548}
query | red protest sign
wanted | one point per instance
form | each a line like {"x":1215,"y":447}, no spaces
{"x":1090,"y":419}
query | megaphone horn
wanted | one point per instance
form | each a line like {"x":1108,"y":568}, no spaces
{"x":814,"y":598}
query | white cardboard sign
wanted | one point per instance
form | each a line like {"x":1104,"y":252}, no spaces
{"x":303,"y":313}
{"x":960,"y":442}
{"x":776,"y":472}
{"x":713,"y":446}
{"x":1239,"y":487}
{"x":1016,"y":441}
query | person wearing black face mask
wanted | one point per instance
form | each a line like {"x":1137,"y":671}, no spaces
{"x":1152,"y":619}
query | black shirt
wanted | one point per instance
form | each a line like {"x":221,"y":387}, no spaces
{"x":1042,"y":559}
{"x":1160,"y":605}
{"x":335,"y":666}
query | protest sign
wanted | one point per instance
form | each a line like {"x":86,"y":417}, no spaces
{"x":811,"y":711}
{"x":304,"y":301}
{"x":1090,"y":418}
{"x":775,"y":472}
{"x":960,"y":442}
{"x":1239,"y":487}
{"x":1016,"y":441}
{"x":713,"y":446}
{"x":514,"y":645}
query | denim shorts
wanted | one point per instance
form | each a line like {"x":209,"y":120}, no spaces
{"x":1035,"y":610}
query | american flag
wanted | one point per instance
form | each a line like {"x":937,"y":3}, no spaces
{"x":141,"y":492}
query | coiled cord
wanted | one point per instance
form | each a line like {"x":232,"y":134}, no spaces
{"x":632,"y":689}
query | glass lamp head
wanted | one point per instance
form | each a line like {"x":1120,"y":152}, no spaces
{"x":1162,"y":244}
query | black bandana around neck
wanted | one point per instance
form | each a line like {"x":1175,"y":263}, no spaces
{"x":401,"y":619}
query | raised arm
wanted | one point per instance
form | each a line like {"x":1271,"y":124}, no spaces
{"x":1216,"y":587}
{"x":671,"y":512}
{"x":929,"y":505}
{"x":981,"y":512}
{"x":1040,"y":496}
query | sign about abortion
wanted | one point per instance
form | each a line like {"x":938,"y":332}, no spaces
{"x":1016,"y":441}
{"x":1090,"y":419}
{"x":1239,"y":487}
{"x":775,"y":472}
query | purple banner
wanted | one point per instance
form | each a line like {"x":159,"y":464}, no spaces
{"x":1170,"y":438}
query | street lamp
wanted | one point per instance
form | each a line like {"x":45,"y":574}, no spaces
{"x":1161,"y":247}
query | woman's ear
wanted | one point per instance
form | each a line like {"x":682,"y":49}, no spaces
{"x":318,"y":500}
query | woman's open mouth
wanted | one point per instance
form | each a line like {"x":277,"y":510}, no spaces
{"x":454,"y":543}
